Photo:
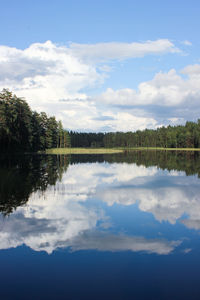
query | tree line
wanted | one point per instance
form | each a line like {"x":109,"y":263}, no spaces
{"x":22,"y":129}
{"x":181,"y":136}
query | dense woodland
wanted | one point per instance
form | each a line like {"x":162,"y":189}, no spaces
{"x":182,"y":136}
{"x":22,"y":129}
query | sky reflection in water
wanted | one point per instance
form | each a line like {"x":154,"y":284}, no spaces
{"x":109,"y":207}
{"x":100,"y":227}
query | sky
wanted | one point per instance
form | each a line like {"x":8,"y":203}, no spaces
{"x":104,"y":65}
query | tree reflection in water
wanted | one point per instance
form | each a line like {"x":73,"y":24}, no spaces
{"x":20,"y":176}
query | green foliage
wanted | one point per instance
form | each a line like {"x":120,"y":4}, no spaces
{"x":24,"y":130}
{"x":187,"y":136}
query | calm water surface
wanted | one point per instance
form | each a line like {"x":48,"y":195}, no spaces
{"x":123,"y":226}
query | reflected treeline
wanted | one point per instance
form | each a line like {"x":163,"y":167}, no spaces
{"x":22,"y":175}
{"x":90,"y":158}
{"x":187,"y":161}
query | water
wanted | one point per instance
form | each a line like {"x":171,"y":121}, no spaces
{"x":122,"y":226}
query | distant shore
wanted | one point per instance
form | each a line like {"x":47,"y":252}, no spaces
{"x":159,"y":148}
{"x":111,"y":150}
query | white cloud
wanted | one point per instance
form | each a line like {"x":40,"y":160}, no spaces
{"x":125,"y":121}
{"x":191,"y":70}
{"x":102,"y":241}
{"x":165,"y":89}
{"x":45,"y":73}
{"x":187,"y":43}
{"x":120,"y":51}
{"x":87,"y":116}
{"x":57,"y":79}
{"x":176,"y":121}
{"x":191,"y":223}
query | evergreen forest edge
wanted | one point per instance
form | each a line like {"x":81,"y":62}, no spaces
{"x":24,"y":130}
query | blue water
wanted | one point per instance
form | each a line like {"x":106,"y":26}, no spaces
{"x":104,"y":231}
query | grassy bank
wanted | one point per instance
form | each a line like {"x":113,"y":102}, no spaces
{"x":111,"y":150}
{"x":82,"y":151}
{"x":159,"y":148}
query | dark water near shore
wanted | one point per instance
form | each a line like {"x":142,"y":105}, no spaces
{"x":122,"y":226}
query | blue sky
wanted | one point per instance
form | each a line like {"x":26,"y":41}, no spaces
{"x":104,"y":65}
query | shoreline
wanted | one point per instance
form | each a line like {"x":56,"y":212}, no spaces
{"x":58,"y":151}
{"x":83,"y":151}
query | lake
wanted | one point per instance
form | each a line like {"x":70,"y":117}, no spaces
{"x":119,"y":226}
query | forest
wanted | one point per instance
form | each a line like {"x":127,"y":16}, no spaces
{"x":22,"y":129}
{"x":181,"y":136}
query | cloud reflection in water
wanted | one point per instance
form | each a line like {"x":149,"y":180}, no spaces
{"x":66,"y":216}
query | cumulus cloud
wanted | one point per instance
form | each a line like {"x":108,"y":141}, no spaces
{"x":56,"y":79}
{"x":126,"y":121}
{"x":87,"y":116}
{"x":165,"y":89}
{"x":45,"y":73}
{"x":191,"y":70}
{"x":191,"y":223}
{"x":48,"y":72}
